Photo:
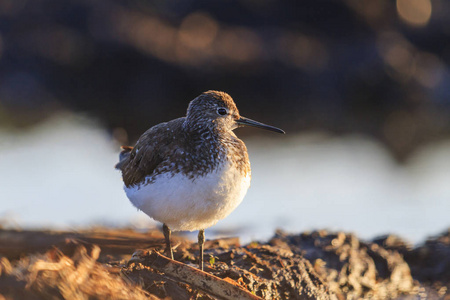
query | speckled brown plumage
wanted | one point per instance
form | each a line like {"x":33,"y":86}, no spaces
{"x":193,"y":145}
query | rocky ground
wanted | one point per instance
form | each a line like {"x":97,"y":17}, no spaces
{"x":124,"y":264}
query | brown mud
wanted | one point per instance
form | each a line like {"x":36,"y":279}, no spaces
{"x":124,"y":264}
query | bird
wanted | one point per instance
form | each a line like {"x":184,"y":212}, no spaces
{"x":190,"y":172}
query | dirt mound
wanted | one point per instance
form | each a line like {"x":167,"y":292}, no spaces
{"x":264,"y":271}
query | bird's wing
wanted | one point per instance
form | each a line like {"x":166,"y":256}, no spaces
{"x":142,"y":160}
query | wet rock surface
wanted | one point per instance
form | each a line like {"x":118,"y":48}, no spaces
{"x":314,"y":265}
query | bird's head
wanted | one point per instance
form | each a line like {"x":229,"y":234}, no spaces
{"x":217,"y":110}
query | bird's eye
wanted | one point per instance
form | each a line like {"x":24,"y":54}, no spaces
{"x":222,"y":111}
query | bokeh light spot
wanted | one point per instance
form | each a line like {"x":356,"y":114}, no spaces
{"x":414,"y":12}
{"x":198,"y":30}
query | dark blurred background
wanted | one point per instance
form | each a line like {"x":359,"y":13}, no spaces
{"x":362,"y":88}
{"x":379,"y":68}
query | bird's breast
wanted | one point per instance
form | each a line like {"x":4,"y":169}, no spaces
{"x":186,"y":202}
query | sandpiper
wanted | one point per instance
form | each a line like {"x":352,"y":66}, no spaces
{"x":193,"y":171}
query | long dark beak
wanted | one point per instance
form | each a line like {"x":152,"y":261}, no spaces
{"x":248,"y":122}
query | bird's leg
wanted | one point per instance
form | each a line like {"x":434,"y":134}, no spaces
{"x":167,"y":232}
{"x":201,"y":242}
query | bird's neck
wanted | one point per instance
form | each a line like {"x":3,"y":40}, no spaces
{"x":203,"y":137}
{"x":199,"y":129}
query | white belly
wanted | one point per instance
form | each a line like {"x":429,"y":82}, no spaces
{"x":191,"y":204}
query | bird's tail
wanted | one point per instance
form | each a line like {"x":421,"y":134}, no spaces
{"x":123,"y":156}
